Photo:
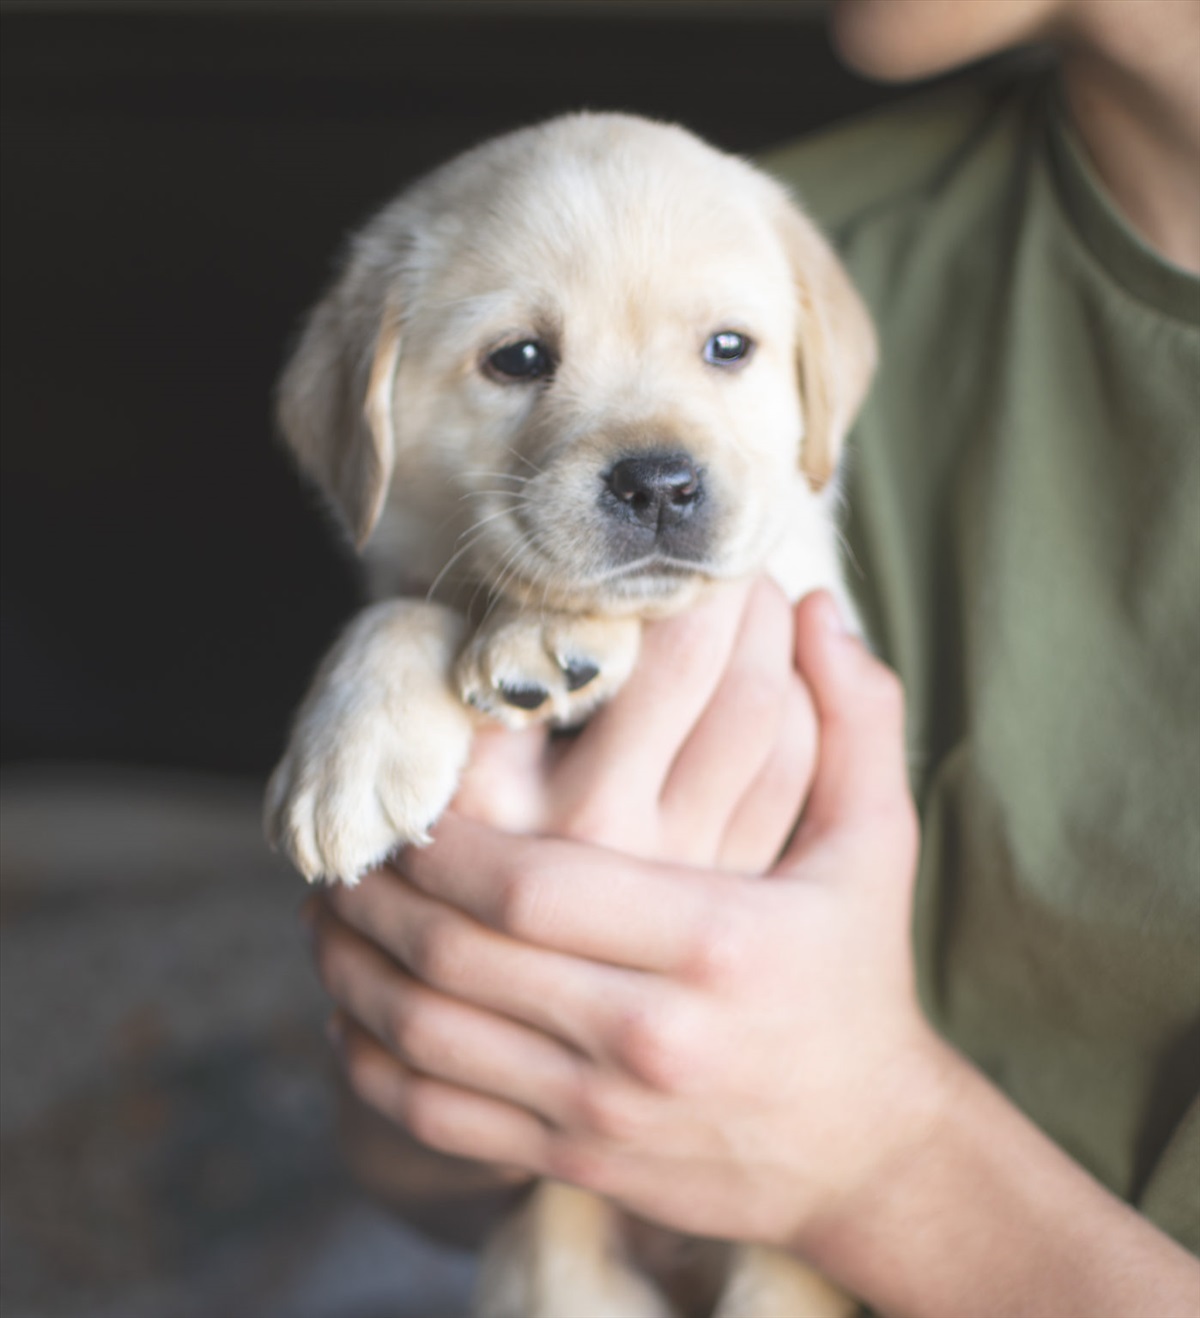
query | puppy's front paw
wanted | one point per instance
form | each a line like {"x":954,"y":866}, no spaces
{"x":535,"y":668}
{"x":377,"y":748}
{"x":338,"y":806}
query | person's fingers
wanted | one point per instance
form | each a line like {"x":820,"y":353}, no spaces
{"x":505,"y":782}
{"x":630,"y":744}
{"x":562,"y":896}
{"x":439,"y":1036}
{"x":562,"y":996}
{"x":861,"y":777}
{"x":443,"y":1116}
{"x":470,"y":1125}
{"x":737,"y":731}
{"x":766,"y":816}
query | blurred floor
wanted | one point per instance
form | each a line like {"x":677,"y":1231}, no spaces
{"x":166,"y":1111}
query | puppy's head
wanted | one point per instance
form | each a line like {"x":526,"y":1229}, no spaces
{"x":610,"y":355}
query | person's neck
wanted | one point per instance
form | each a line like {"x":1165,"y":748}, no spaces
{"x":1134,"y":97}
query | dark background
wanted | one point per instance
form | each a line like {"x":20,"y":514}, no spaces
{"x":176,"y":182}
{"x":177,"y":178}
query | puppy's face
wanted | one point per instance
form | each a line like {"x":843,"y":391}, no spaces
{"x":616,"y":353}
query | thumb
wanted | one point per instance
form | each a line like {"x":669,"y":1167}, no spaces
{"x":861,"y":777}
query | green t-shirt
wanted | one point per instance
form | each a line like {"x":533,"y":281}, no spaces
{"x":1024,"y":493}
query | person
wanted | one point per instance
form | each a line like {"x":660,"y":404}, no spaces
{"x":991,"y":1103}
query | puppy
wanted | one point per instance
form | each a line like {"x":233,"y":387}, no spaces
{"x":561,"y":385}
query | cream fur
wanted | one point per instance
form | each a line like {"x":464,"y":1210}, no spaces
{"x":622,"y":245}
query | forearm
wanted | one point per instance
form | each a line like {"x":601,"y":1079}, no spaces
{"x":987,"y":1216}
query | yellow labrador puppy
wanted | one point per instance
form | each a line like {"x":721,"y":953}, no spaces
{"x":561,"y":385}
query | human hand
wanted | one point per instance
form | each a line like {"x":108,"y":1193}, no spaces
{"x":722,"y":1054}
{"x":704,"y":757}
{"x":705,"y":754}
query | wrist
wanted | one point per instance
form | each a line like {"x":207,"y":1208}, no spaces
{"x":977,"y":1211}
{"x":910,"y":1106}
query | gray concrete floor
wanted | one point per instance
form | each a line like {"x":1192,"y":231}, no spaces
{"x":166,"y":1111}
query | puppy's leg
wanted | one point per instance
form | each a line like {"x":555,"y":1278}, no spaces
{"x":768,"y":1283}
{"x":531,"y":667}
{"x":558,"y":1257}
{"x":377,"y":747}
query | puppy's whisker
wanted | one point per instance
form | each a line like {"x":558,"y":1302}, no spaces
{"x":441,"y":576}
{"x":475,"y":534}
{"x":466,"y":542}
{"x":514,"y":497}
{"x":505,"y":573}
{"x":547,"y":581}
{"x":487,"y":576}
{"x":449,"y":517}
{"x":533,"y":466}
{"x":484,"y":521}
{"x":848,"y":549}
{"x":543,"y":574}
{"x":496,"y":476}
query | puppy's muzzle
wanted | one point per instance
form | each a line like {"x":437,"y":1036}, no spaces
{"x":656,"y":503}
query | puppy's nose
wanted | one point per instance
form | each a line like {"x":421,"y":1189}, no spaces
{"x":657,"y":490}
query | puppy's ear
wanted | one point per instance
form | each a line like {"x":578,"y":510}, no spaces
{"x":836,"y":349}
{"x":335,"y":400}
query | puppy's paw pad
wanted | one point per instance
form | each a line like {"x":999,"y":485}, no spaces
{"x":524,"y":697}
{"x":579,"y":672}
{"x":532,"y":669}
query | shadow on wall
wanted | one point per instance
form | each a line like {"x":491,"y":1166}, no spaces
{"x":175,"y":185}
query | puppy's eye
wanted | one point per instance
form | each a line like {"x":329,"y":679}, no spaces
{"x":517,"y":362}
{"x":727,"y":348}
